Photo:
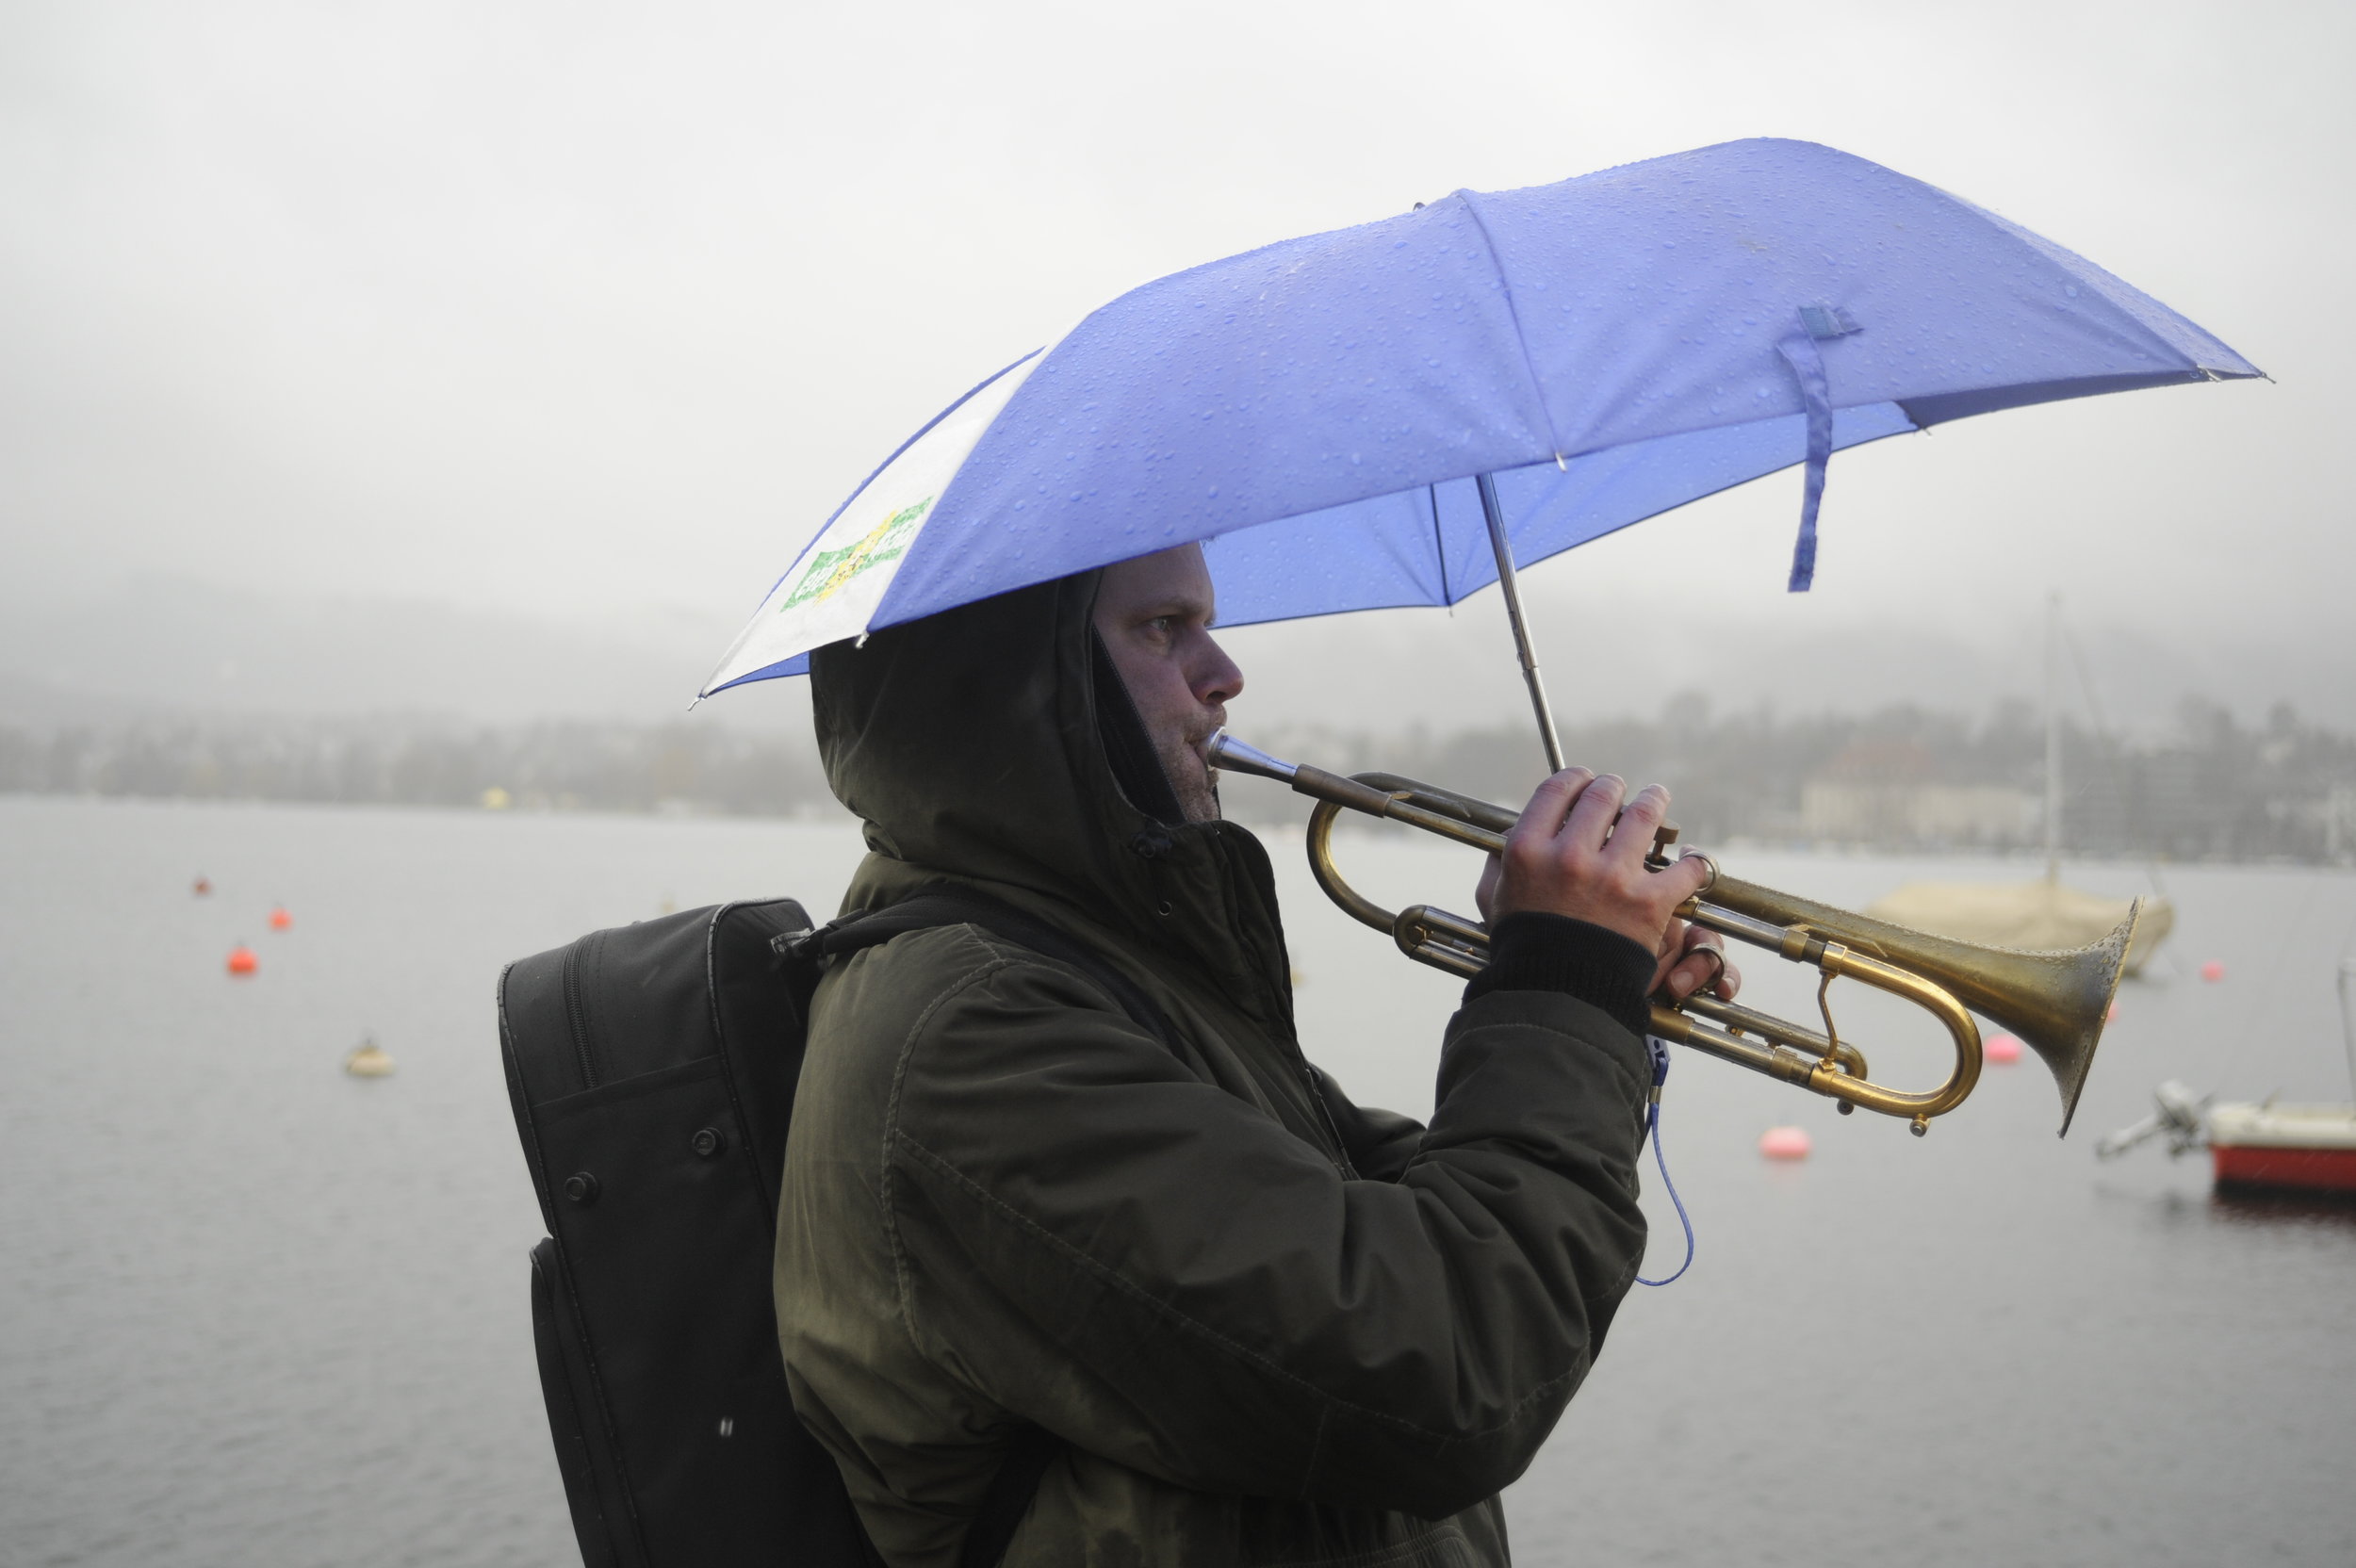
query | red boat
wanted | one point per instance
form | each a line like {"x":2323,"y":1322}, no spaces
{"x":2310,"y":1148}
{"x":2266,"y":1146}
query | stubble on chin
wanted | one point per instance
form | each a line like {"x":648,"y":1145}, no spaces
{"x":1192,"y":781}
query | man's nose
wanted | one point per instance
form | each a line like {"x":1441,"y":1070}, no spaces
{"x":1217,"y":681}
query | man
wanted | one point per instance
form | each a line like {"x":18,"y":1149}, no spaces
{"x":1265,"y":1326}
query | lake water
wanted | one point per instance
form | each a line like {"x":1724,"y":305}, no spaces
{"x":255,"y":1312}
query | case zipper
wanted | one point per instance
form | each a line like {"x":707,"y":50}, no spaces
{"x":579,"y":1019}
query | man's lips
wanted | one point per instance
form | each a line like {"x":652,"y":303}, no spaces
{"x":1201,"y":743}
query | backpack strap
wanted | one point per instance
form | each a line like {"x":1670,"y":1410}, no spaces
{"x":951,"y":905}
{"x":991,"y":1529}
{"x":1033,"y":1448}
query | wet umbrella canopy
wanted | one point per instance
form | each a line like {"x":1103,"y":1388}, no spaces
{"x":1319,"y":412}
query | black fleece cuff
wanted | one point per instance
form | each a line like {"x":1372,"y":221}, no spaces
{"x":1531,"y":952}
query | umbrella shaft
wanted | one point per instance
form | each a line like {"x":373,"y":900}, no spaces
{"x":1512,"y":588}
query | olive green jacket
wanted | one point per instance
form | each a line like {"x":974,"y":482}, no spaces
{"x":1268,"y":1327}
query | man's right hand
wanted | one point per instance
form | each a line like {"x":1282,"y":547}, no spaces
{"x":1565,"y":857}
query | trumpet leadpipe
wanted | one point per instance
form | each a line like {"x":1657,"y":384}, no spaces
{"x":1473,"y":823}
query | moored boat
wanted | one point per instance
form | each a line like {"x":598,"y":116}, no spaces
{"x":2033,"y":916}
{"x":2264,"y":1145}
{"x":2046,"y":913}
{"x":2309,"y":1148}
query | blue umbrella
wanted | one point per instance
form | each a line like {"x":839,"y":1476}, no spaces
{"x":1397,"y":414}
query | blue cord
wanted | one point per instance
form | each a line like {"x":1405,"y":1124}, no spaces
{"x":1652,"y":1125}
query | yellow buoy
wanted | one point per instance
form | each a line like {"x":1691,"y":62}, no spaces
{"x":370,"y":1061}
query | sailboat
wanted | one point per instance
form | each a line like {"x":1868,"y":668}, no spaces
{"x":2045,"y":914}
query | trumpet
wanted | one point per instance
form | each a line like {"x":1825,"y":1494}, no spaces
{"x":2057,"y":1003}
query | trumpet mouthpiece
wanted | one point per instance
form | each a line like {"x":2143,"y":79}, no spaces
{"x":1223,"y":751}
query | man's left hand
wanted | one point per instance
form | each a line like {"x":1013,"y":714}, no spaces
{"x":1690,"y":959}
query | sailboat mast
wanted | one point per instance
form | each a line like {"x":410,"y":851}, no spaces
{"x":2053,"y":738}
{"x":2348,"y":1017}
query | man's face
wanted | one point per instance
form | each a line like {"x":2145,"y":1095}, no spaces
{"x":1155,"y":615}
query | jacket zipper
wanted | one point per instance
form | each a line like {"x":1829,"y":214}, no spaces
{"x":577,"y":1015}
{"x":1325,"y":1115}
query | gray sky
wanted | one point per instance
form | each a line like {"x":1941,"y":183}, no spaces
{"x":591,"y":312}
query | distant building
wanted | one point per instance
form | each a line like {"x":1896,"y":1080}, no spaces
{"x":2339,"y":811}
{"x":1888,"y":792}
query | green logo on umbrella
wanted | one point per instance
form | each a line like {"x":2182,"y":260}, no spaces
{"x":830,"y":570}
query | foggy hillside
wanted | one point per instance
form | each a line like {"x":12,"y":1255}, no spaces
{"x":157,"y":646}
{"x":2175,"y":746}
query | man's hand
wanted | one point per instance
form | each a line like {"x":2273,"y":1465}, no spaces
{"x":1691,"y":958}
{"x":1566,"y":856}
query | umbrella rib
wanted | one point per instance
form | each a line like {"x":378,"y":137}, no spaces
{"x":1495,"y":514}
{"x":1439,"y":540}
{"x":1514,"y":315}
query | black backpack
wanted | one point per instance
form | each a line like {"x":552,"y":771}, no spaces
{"x":652,"y":1070}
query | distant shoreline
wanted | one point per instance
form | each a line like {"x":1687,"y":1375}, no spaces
{"x":2281,"y":790}
{"x":832,"y":817}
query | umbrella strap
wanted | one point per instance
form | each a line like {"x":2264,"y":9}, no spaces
{"x":1798,"y":349}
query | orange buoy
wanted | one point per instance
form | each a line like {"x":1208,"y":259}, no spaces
{"x":2002,"y":1048}
{"x":201,"y":887}
{"x":1785,"y":1143}
{"x":2213,"y":972}
{"x":242,"y":961}
{"x":279,"y":919}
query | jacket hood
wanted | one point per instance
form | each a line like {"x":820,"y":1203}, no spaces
{"x":971,"y":745}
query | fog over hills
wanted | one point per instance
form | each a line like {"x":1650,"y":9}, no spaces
{"x":483,"y":365}
{"x":151,"y":646}
{"x":2193,"y":747}
{"x":154,"y":647}
{"x":1448,"y":671}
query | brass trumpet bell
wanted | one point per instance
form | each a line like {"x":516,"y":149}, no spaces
{"x":2057,"y":1003}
